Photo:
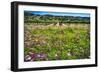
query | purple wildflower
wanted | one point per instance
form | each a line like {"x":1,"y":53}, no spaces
{"x":39,"y":56}
{"x":33,"y":59}
{"x":33,"y":54}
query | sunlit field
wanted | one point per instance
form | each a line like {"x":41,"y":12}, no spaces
{"x":56,"y":42}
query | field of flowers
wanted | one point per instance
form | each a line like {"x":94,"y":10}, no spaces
{"x":47,"y":43}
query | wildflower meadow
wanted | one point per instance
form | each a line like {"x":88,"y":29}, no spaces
{"x":52,"y":37}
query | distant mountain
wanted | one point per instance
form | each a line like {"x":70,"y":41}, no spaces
{"x":29,"y":16}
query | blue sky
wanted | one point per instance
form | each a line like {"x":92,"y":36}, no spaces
{"x":60,"y":13}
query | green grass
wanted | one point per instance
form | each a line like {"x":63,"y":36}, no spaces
{"x":60,"y":43}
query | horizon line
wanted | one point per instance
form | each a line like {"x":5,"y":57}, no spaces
{"x":59,"y":13}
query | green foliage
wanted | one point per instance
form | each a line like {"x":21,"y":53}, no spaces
{"x":55,"y":19}
{"x":26,"y":51}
